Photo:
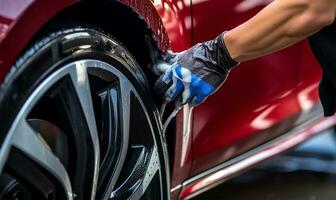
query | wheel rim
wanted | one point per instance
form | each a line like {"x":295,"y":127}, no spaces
{"x":111,"y":148}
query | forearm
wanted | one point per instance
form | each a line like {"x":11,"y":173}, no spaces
{"x":277,"y":26}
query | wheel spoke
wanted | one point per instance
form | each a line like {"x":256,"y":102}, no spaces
{"x":123,"y":140}
{"x":152,"y":169}
{"x":26,"y":140}
{"x":138,"y":181}
{"x":80,"y":81}
{"x":125,"y":91}
{"x":125,"y":101}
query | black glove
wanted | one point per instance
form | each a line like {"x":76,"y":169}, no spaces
{"x":193,"y":75}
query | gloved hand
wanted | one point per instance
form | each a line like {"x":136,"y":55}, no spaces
{"x":193,"y":75}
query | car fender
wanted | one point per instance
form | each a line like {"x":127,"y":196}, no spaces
{"x":19,"y":24}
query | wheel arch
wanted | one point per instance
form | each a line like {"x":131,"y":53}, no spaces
{"x":137,"y":20}
{"x":141,"y":20}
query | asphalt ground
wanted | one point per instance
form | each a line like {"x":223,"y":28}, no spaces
{"x":306,"y":173}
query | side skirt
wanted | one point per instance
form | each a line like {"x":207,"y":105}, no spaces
{"x":221,"y":173}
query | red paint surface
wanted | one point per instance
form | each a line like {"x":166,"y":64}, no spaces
{"x":15,"y":34}
{"x":260,"y":99}
{"x":19,"y":22}
{"x":176,"y":17}
{"x":262,"y":155}
{"x":309,"y":76}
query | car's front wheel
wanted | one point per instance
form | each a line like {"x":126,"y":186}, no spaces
{"x":78,"y":122}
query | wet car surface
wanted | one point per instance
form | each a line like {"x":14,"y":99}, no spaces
{"x":305,"y":173}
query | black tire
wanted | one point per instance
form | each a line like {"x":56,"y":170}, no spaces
{"x":65,"y":107}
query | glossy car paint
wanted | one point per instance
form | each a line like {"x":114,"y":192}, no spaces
{"x":16,"y":18}
{"x":19,"y":22}
{"x":261,"y":99}
{"x":309,"y":77}
{"x":295,"y":137}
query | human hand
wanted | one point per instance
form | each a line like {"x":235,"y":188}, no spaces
{"x":193,"y":75}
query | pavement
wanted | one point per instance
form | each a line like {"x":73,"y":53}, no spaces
{"x":305,"y":173}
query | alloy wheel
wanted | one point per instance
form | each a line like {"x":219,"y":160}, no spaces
{"x":83,"y":133}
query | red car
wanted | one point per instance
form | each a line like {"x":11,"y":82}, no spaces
{"x":78,"y":119}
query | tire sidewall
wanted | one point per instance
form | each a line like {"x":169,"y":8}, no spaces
{"x":56,"y":50}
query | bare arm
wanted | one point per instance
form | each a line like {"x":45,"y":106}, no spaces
{"x":191,"y":76}
{"x":279,"y":25}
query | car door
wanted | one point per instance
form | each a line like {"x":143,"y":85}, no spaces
{"x":259,"y":100}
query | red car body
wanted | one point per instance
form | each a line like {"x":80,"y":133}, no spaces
{"x":264,"y":108}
